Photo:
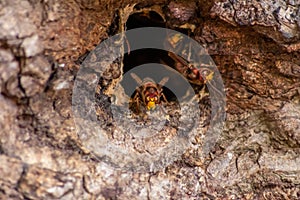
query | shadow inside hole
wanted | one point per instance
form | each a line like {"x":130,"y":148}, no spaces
{"x":145,"y":19}
{"x":157,"y":57}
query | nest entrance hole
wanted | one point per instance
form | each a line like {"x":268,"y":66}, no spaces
{"x":146,"y":56}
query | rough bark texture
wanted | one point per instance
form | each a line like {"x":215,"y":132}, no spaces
{"x":256,"y":46}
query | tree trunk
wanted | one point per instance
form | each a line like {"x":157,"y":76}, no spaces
{"x":255,"y":46}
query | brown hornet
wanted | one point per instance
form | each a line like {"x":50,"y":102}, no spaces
{"x":149,"y":93}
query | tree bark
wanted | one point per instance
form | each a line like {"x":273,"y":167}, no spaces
{"x":256,"y":48}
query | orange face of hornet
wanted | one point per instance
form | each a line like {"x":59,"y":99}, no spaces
{"x":148,"y":93}
{"x":151,"y":98}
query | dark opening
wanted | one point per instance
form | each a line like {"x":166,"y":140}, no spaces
{"x":149,"y":19}
{"x":146,"y":56}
